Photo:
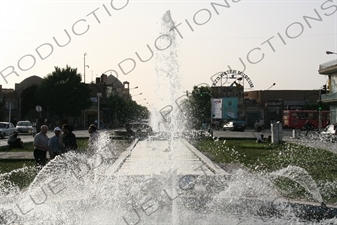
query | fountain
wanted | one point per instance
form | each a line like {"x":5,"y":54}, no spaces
{"x":157,"y":181}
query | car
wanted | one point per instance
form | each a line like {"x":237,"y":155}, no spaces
{"x":235,"y":126}
{"x":6,"y":129}
{"x":140,"y":129}
{"x":24,"y":127}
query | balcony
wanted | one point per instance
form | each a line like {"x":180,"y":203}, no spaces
{"x":330,"y":97}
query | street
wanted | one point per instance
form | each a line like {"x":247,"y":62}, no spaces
{"x":247,"y":134}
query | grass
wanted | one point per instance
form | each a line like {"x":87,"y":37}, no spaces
{"x":12,"y":172}
{"x":263,"y":158}
{"x":28,"y":147}
{"x":11,"y":169}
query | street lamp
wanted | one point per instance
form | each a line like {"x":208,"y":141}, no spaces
{"x":271,"y":86}
{"x":329,"y":53}
{"x":84,"y":68}
{"x":141,"y":100}
{"x":98,"y":110}
{"x":136,"y":95}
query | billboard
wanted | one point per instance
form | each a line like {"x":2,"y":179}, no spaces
{"x":230,"y":108}
{"x":225,"y":108}
{"x":216,"y":108}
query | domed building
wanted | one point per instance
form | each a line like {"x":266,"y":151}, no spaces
{"x":24,"y":104}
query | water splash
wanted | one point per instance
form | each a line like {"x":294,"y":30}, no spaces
{"x":302,"y":177}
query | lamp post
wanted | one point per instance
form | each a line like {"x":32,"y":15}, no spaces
{"x":98,"y":109}
{"x":329,"y":53}
{"x":243,"y":95}
{"x":136,"y":95}
{"x":271,"y":86}
{"x":84,"y":68}
{"x":141,"y":100}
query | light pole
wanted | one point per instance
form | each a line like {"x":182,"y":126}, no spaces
{"x":271,"y":86}
{"x":141,"y":100}
{"x":84,"y":68}
{"x":329,"y":53}
{"x":136,"y":95}
{"x":98,"y":109}
{"x":243,"y":95}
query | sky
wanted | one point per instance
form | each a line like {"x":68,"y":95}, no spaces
{"x":272,"y":41}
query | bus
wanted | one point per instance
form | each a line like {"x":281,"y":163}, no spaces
{"x":296,"y":118}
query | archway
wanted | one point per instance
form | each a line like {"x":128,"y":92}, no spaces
{"x":28,"y":103}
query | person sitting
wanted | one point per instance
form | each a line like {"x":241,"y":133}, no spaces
{"x":260,"y":139}
{"x":257,"y":126}
{"x":14,"y":141}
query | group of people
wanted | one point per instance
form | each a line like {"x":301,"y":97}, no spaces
{"x":60,"y":143}
{"x":261,"y":139}
{"x":64,"y":140}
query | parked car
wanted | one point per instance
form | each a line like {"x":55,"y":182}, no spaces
{"x":24,"y":127}
{"x":139,"y":129}
{"x":330,"y":133}
{"x":234,"y":126}
{"x":6,"y":129}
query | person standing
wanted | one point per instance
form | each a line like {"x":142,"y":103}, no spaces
{"x":69,"y":138}
{"x":41,"y":147}
{"x":54,"y":144}
{"x":93,"y":137}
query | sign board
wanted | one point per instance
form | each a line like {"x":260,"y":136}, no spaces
{"x":217,"y":108}
{"x":230,"y":108}
{"x":93,"y":99}
{"x":8,"y":105}
{"x":38,"y":108}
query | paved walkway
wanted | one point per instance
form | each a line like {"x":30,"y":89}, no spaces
{"x":154,"y":157}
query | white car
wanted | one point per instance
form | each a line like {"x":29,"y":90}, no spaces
{"x":24,"y":127}
{"x":6,"y":129}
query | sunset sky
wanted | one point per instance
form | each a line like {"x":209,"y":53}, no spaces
{"x":280,"y":42}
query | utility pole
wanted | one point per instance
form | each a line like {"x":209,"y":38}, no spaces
{"x":98,"y":110}
{"x":10,"y":112}
{"x":320,"y":111}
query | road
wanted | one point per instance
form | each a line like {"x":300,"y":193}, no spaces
{"x":247,"y":134}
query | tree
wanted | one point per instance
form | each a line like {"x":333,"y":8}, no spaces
{"x":199,"y":106}
{"x":126,"y":109}
{"x":63,"y":93}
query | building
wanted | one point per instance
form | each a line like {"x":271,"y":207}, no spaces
{"x":268,"y":105}
{"x":23,"y":102}
{"x":330,"y":96}
{"x":104,"y":87}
